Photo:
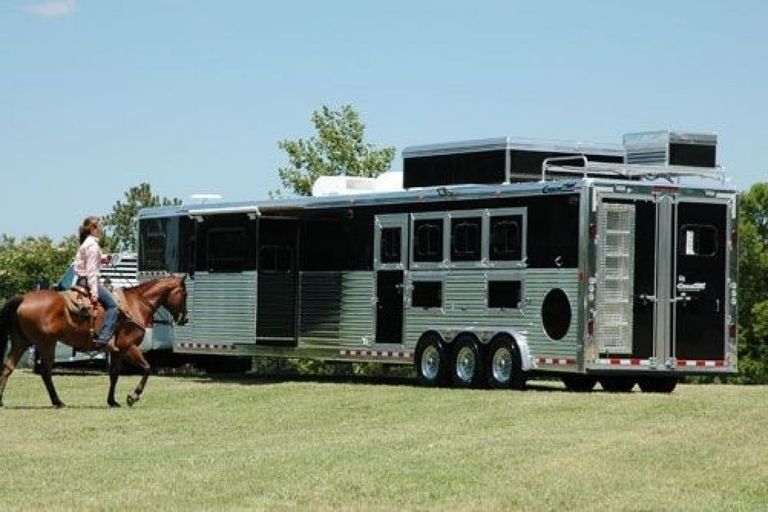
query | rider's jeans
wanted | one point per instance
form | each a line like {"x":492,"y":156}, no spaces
{"x":110,"y":314}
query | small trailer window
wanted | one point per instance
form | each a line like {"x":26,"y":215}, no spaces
{"x":698,"y":240}
{"x":504,"y":294}
{"x":390,"y":245}
{"x":506,"y":238}
{"x":153,"y":242}
{"x":465,"y":239}
{"x":427,"y":294}
{"x":275,"y":258}
{"x":428,"y":240}
{"x":226,"y":249}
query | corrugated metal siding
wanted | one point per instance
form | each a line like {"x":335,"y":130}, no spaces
{"x":223,"y":308}
{"x":465,"y":306}
{"x":356,"y":308}
{"x":320,"y":306}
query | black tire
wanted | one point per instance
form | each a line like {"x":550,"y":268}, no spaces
{"x":579,"y":383}
{"x":504,"y":369}
{"x":466,"y":362}
{"x":657,"y":384}
{"x":617,"y":384}
{"x":430,"y":361}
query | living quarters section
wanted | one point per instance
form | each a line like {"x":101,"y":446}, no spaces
{"x":491,"y":292}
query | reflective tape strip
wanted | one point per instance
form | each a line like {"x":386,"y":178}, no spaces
{"x":555,"y":361}
{"x":153,"y":273}
{"x":614,"y":361}
{"x":206,"y":346}
{"x":681,"y":363}
{"x":700,"y":363}
{"x":388,"y":354}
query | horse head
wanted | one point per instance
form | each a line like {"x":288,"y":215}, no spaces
{"x":176,"y":299}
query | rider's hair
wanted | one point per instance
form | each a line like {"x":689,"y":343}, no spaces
{"x":85,"y":228}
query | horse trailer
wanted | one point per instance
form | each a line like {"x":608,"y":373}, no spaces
{"x":498,"y":260}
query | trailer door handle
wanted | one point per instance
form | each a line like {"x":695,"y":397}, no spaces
{"x":648,"y":298}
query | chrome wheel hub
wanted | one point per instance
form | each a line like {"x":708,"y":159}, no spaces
{"x":430,"y":362}
{"x":501,"y":366}
{"x":465,"y":364}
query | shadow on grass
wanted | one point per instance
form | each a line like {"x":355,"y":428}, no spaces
{"x":50,"y":407}
{"x":364,"y":380}
{"x":545,"y":385}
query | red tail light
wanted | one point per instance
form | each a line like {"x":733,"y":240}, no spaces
{"x":591,"y":327}
{"x":733,"y":330}
{"x":592,"y":231}
{"x":734,"y":238}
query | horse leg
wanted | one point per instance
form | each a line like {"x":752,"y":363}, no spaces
{"x":134,"y":355}
{"x":47,"y":353}
{"x":19,"y":345}
{"x":115,"y":365}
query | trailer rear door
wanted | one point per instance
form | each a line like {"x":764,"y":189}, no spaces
{"x":699,"y":294}
{"x":661,"y":277}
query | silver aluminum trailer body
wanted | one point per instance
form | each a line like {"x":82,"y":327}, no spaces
{"x":586,"y":316}
{"x":505,"y":258}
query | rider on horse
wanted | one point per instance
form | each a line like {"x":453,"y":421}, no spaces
{"x":88,"y":262}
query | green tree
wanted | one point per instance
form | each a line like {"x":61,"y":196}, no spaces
{"x":122,"y":224}
{"x":33,"y":262}
{"x":338,"y":148}
{"x":753,"y":284}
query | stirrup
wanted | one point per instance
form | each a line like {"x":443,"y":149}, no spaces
{"x":106,"y":346}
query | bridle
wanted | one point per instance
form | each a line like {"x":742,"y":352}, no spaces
{"x":153,"y":308}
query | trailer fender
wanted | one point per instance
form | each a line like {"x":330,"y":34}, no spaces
{"x":522,"y":345}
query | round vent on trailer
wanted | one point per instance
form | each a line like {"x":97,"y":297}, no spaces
{"x":556,"y":314}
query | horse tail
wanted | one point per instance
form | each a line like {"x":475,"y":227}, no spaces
{"x":7,"y":317}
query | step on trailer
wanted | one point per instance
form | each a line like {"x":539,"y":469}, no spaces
{"x":500,"y":260}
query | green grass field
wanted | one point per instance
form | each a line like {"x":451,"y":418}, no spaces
{"x":194,"y":443}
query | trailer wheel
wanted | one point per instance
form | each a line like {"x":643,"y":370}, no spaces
{"x":466,"y":362}
{"x":430,"y":361}
{"x":617,"y":384}
{"x":579,"y":383}
{"x":504,"y":365}
{"x":657,"y":384}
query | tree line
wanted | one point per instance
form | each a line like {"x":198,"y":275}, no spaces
{"x":338,"y":147}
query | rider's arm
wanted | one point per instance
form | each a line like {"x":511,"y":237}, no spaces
{"x":92,"y":266}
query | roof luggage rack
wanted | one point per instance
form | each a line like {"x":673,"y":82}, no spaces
{"x":558,"y":165}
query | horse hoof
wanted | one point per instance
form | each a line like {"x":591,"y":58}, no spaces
{"x":130,"y":400}
{"x":59,"y":405}
{"x":113,"y":404}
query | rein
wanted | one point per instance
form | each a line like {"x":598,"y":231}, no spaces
{"x":145,"y":301}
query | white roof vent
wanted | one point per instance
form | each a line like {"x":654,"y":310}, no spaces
{"x":326,"y":186}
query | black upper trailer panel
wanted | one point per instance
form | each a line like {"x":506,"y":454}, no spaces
{"x":503,"y":160}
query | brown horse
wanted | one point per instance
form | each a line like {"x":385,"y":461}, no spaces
{"x":42,"y":318}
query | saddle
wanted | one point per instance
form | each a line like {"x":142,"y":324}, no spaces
{"x":78,"y":301}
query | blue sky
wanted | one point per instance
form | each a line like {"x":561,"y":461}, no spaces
{"x":192,"y":96}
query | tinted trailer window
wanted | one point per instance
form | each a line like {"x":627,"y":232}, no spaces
{"x":166,"y":243}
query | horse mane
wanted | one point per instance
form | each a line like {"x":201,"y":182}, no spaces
{"x":142,"y":287}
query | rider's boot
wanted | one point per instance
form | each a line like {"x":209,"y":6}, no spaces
{"x":107,"y":346}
